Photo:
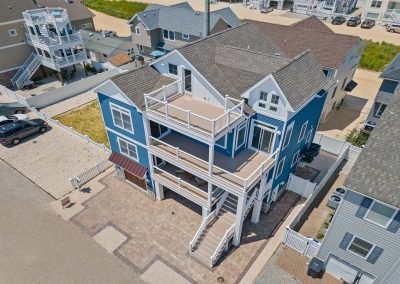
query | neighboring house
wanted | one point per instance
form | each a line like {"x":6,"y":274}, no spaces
{"x":381,"y":10}
{"x":160,"y":29}
{"x":222,"y":122}
{"x":362,"y":242}
{"x":101,"y":48}
{"x":338,"y":54}
{"x":389,"y":87}
{"x":14,"y":49}
{"x":324,"y":8}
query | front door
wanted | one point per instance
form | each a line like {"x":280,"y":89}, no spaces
{"x":188,"y":80}
{"x":263,"y":137}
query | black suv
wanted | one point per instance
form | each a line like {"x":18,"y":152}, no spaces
{"x":12,"y":133}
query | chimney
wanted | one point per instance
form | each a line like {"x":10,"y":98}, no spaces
{"x":206,"y":17}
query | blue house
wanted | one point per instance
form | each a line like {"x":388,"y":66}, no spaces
{"x":222,"y":122}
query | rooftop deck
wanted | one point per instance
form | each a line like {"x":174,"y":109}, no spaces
{"x":241,"y":172}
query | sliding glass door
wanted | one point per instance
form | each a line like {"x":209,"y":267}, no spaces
{"x":263,"y":137}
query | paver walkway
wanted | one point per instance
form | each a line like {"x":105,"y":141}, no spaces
{"x":162,"y":230}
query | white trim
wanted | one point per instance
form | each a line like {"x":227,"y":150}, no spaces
{"x":380,"y":225}
{"x":167,"y":38}
{"x":290,"y":127}
{"x":13,"y":45}
{"x":277,"y":174}
{"x":177,"y":67}
{"x":119,"y":108}
{"x":297,"y":159}
{"x":11,"y":22}
{"x":12,"y":31}
{"x":301,"y":137}
{"x":274,"y":130}
{"x":238,"y":128}
{"x":186,"y":36}
{"x":113,"y":96}
{"x":309,"y":134}
{"x":126,"y":137}
{"x":119,"y":139}
{"x":137,"y":30}
{"x":225,"y":141}
{"x":369,"y":252}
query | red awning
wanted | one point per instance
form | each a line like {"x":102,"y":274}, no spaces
{"x":128,"y":165}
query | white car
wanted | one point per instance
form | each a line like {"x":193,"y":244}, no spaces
{"x":11,"y":118}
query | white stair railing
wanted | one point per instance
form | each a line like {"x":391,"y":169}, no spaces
{"x":222,"y":246}
{"x":250,"y":203}
{"x":26,"y":71}
{"x":206,"y":221}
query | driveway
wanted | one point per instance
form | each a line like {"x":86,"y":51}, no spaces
{"x":37,"y":246}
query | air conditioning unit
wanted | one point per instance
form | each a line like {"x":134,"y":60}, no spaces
{"x":340,"y":192}
{"x":333,"y":201}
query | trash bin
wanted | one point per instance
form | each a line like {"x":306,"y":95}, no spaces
{"x":316,"y":268}
{"x":316,"y":148}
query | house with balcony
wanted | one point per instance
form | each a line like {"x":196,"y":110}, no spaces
{"x":222,"y":122}
{"x":362,"y":241}
{"x":389,"y":87}
{"x":14,"y":48}
{"x":160,"y":29}
{"x":338,"y":54}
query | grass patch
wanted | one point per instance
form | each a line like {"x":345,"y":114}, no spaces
{"x":120,"y":9}
{"x":87,"y":120}
{"x":377,"y":55}
{"x":357,"y":138}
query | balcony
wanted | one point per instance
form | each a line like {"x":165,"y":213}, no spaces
{"x":53,"y":40}
{"x":182,"y":111}
{"x":240,"y":173}
{"x":58,"y":62}
{"x":45,"y":15}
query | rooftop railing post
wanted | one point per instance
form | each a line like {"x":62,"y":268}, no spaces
{"x":163,"y":90}
{"x":177,"y":153}
{"x":188,"y":118}
{"x":229,"y":118}
{"x":166,"y":109}
{"x":226,"y":102}
{"x":213,"y":127}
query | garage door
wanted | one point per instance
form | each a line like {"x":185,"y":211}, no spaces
{"x":135,"y":180}
{"x":343,"y":270}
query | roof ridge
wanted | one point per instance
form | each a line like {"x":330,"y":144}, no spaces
{"x":294,"y":59}
{"x":255,"y":52}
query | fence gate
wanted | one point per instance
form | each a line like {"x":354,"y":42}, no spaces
{"x":305,"y":246}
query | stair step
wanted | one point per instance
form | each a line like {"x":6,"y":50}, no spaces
{"x":228,"y":207}
{"x":230,"y":203}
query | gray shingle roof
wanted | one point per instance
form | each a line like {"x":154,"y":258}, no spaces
{"x":392,"y":71}
{"x":312,"y":23}
{"x":376,"y":173}
{"x":11,"y":10}
{"x":105,"y":45}
{"x":182,"y":18}
{"x":134,"y":84}
{"x":76,"y":10}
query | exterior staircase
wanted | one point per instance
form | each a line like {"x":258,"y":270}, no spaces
{"x":24,"y":74}
{"x":216,"y":231}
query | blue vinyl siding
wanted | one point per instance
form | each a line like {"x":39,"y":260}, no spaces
{"x":229,"y":144}
{"x":270,"y":121}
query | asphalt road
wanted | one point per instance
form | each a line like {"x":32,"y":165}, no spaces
{"x":38,"y":246}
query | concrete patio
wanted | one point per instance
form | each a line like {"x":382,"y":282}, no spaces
{"x":158,"y":233}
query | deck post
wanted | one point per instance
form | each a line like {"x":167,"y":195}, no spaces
{"x":255,"y":217}
{"x":159,"y":191}
{"x":205,"y":212}
{"x":239,"y":219}
{"x":210,"y":159}
{"x":210,"y":192}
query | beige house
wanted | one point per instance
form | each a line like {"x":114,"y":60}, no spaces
{"x":14,"y":49}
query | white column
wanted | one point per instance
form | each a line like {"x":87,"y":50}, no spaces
{"x":159,"y":191}
{"x":239,"y":219}
{"x":147,"y":132}
{"x":210,"y":159}
{"x":205,"y":212}
{"x":258,"y":203}
{"x":209,"y":193}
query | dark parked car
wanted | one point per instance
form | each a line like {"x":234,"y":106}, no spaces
{"x":368,"y":24}
{"x":354,"y":21}
{"x":12,"y":118}
{"x":338,"y":20}
{"x":11,"y":108}
{"x":13,"y":133}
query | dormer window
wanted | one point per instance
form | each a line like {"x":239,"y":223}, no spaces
{"x":274,"y":102}
{"x":263,"y":99}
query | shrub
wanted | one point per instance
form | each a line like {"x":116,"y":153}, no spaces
{"x":320,"y":235}
{"x":377,"y":55}
{"x":120,"y":9}
{"x":357,"y":138}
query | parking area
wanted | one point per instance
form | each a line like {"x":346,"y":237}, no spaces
{"x":50,"y":159}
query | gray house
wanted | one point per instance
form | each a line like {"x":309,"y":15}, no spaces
{"x":160,"y":29}
{"x":362,"y":244}
{"x":390,"y":86}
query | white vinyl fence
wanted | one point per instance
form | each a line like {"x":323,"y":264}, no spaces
{"x":89,"y":174}
{"x":300,"y":243}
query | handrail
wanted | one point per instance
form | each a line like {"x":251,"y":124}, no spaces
{"x":163,"y":87}
{"x":222,"y":244}
{"x":250,"y":203}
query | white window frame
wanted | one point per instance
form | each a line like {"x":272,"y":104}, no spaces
{"x":279,"y":168}
{"x":302,"y":133}
{"x":289,"y":128}
{"x":274,"y":105}
{"x":137,"y":30}
{"x":294,"y":161}
{"x":119,"y":139}
{"x":309,"y":134}
{"x":225,"y":141}
{"x":141,"y":48}
{"x":369,"y":252}
{"x":12,"y":32}
{"x":273,"y":129}
{"x":240,"y":127}
{"x":186,"y":36}
{"x":379,"y":108}
{"x":169,"y":38}
{"x":177,"y":69}
{"x":376,"y":4}
{"x":372,"y":221}
{"x":127,"y":111}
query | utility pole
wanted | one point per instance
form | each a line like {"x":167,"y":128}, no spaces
{"x":206,"y":18}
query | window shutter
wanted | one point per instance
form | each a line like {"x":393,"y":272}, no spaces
{"x":395,"y":224}
{"x":346,"y":241}
{"x":362,"y":210}
{"x":374,"y":255}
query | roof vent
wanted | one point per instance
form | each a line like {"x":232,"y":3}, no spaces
{"x":144,"y":15}
{"x":248,"y":47}
{"x":277,"y":54}
{"x":69,"y":1}
{"x":197,"y":13}
{"x":9,"y":7}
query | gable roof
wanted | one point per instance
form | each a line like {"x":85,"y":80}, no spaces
{"x":329,"y":48}
{"x":12,"y":9}
{"x":392,"y":71}
{"x":134,"y":84}
{"x":182,"y":18}
{"x":105,"y":45}
{"x":312,"y":23}
{"x":376,"y":171}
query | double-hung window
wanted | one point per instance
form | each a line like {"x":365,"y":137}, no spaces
{"x":303,"y":131}
{"x":128,"y":149}
{"x":241,"y":135}
{"x":279,"y":169}
{"x":295,"y":158}
{"x":274,"y":102}
{"x":263,"y":99}
{"x":309,"y":135}
{"x":172,"y":69}
{"x":288,"y":135}
{"x":137,"y":30}
{"x":380,"y":214}
{"x":379,"y":108}
{"x":169,"y":35}
{"x":360,"y":247}
{"x":121,"y":117}
{"x":376,"y":4}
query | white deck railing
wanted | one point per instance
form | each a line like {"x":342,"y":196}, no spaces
{"x":159,"y":101}
{"x":237,"y":182}
{"x":222,"y":246}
